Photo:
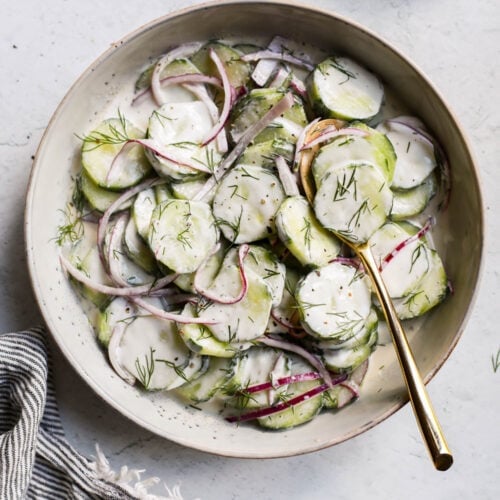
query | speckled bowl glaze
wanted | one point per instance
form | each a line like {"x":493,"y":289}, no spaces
{"x":96,"y":94}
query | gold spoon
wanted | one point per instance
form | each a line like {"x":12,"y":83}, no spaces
{"x":421,"y":403}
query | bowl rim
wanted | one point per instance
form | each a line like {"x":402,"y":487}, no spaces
{"x":129,"y":38}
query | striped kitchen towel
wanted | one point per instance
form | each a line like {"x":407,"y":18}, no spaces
{"x":35,"y":459}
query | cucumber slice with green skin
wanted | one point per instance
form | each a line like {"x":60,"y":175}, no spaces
{"x":142,"y":210}
{"x":154,"y":354}
{"x":416,"y":157}
{"x":207,"y":386}
{"x":187,"y":190}
{"x":263,"y":263}
{"x":137,"y":250}
{"x":101,"y":147}
{"x":179,"y":129}
{"x":341,"y":395}
{"x":245,"y":320}
{"x":286,"y":314}
{"x":128,"y":270}
{"x":410,"y":202}
{"x":345,"y":360}
{"x":200,"y":339}
{"x":162,"y":193}
{"x":263,"y":154}
{"x":354,"y":201}
{"x":238,"y":71}
{"x":298,"y":228}
{"x":432,"y":289}
{"x":363,"y":336}
{"x":118,"y":311}
{"x":256,"y":366}
{"x":255,"y":104}
{"x":406,"y":268}
{"x":334,"y":301}
{"x":373,"y":148}
{"x":182,"y":234}
{"x":301,"y":413}
{"x":97,"y":197}
{"x":340,"y":88}
{"x":85,"y":257}
{"x":245,"y":203}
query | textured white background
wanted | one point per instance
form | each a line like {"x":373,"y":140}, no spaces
{"x":44,"y":46}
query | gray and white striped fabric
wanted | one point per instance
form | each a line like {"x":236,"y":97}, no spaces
{"x":35,"y":459}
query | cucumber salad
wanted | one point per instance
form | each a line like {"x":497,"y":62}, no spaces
{"x":202,"y":266}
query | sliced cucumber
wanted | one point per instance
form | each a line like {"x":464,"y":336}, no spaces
{"x":119,"y":310}
{"x":85,"y":257}
{"x":182,"y":234}
{"x":142,"y":210}
{"x":256,"y":366}
{"x":263,"y":154}
{"x":416,"y":157}
{"x":366,"y":335}
{"x":209,"y":383}
{"x":301,"y":413}
{"x":179,"y":129}
{"x":405,"y":269}
{"x":245,"y":203}
{"x":187,"y":190}
{"x":102,"y":151}
{"x":353,"y":200}
{"x":154,"y":354}
{"x":410,"y":202}
{"x":97,"y":197}
{"x":263,"y":263}
{"x":255,"y":104}
{"x":286,"y":313}
{"x":432,"y":289}
{"x":200,"y":339}
{"x":303,"y":235}
{"x":245,"y":320}
{"x":137,"y":250}
{"x":238,"y":71}
{"x":373,"y":148}
{"x":334,"y":301}
{"x":340,"y":88}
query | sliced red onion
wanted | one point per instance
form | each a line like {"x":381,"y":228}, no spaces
{"x":358,"y":375}
{"x":280,"y":56}
{"x":352,"y":386}
{"x":298,"y":86}
{"x":332,"y":133}
{"x":119,"y":291}
{"x":162,"y":314}
{"x":250,"y":133}
{"x":283,"y":321}
{"x":270,"y":410}
{"x":301,"y":140}
{"x":349,"y":261}
{"x":201,"y":93}
{"x":304,"y":353}
{"x":417,"y":236}
{"x":287,"y":178}
{"x":413,"y":128}
{"x":291,"y":379}
{"x":279,"y":78}
{"x":242,"y":253}
{"x":179,"y":52}
{"x":186,"y":78}
{"x":228,"y":98}
{"x":114,"y":355}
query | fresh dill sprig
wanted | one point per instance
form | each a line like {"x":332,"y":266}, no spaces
{"x":495,"y":361}
{"x":145,"y":371}
{"x":117,"y":135}
{"x":306,"y":229}
{"x":178,"y":369}
{"x":344,"y":186}
{"x":363,"y":208}
{"x":72,"y":230}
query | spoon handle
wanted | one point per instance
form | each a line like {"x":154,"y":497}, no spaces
{"x":422,"y":406}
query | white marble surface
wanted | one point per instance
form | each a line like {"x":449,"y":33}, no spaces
{"x":44,"y":46}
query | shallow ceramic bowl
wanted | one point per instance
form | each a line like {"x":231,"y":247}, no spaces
{"x":95,"y":95}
